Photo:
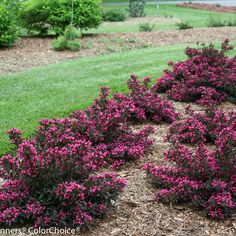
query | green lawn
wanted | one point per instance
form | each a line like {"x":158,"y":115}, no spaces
{"x":59,"y":89}
{"x":197,"y":18}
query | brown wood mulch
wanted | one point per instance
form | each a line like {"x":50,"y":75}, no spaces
{"x":34,"y":52}
{"x":208,"y":7}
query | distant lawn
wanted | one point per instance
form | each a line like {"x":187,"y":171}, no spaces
{"x":59,"y":89}
{"x":197,"y":18}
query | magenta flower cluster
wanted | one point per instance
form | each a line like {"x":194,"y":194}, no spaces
{"x":205,"y":175}
{"x":72,"y":203}
{"x":207,"y":77}
{"x":200,"y":126}
{"x":105,"y":125}
{"x":145,"y":104}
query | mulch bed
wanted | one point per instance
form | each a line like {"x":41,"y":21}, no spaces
{"x":34,"y":52}
{"x":208,"y":7}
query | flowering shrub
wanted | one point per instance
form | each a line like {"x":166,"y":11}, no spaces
{"x":71,"y":202}
{"x":207,"y":77}
{"x":144,"y":104}
{"x":104,"y":124}
{"x":200,"y":127}
{"x":205,"y":177}
{"x":52,"y":179}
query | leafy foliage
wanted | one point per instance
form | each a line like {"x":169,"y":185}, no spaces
{"x":67,"y":40}
{"x":113,"y":15}
{"x":44,"y":16}
{"x":105,"y":122}
{"x":144,"y":104}
{"x":136,"y":8}
{"x":13,"y":6}
{"x":207,"y":77}
{"x":8,"y":29}
{"x":146,"y":27}
{"x":204,"y":176}
{"x":184,"y":25}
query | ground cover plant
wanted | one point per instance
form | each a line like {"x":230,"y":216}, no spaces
{"x":207,"y":77}
{"x":204,"y":176}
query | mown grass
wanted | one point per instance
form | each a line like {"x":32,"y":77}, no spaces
{"x":58,"y":89}
{"x":196,"y":18}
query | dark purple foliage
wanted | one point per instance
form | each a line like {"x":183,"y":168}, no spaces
{"x":144,"y":104}
{"x":204,"y":176}
{"x":207,"y":77}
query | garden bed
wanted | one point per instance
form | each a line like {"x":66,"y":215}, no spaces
{"x":138,"y":215}
{"x":209,"y":7}
{"x":33,"y":52}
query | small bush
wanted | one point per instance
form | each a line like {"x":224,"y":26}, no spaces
{"x":113,"y":15}
{"x":218,"y":22}
{"x":73,"y":45}
{"x":184,"y":25}
{"x":145,"y":104}
{"x":67,"y":40}
{"x":71,"y":33}
{"x":146,"y":27}
{"x":200,"y":127}
{"x":136,"y":8}
{"x":87,"y":45}
{"x":167,"y":15}
{"x":105,"y":122}
{"x":132,"y":40}
{"x":8,"y":30}
{"x":203,"y":176}
{"x":215,"y":22}
{"x":199,"y":78}
{"x":59,"y":44}
{"x":231,"y":22}
{"x":45,"y":16}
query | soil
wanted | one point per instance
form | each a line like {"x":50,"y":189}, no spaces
{"x":33,"y":52}
{"x":209,"y":7}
